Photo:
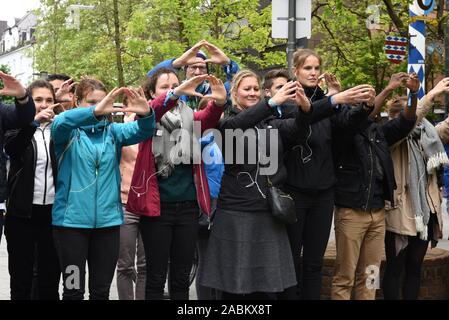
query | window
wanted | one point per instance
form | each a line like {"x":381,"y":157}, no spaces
{"x":32,"y":30}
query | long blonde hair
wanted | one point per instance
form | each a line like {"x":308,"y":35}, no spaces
{"x":238,"y":77}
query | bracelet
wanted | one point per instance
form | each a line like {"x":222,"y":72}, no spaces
{"x":24,"y":97}
{"x":414,"y":93}
{"x":171,"y":93}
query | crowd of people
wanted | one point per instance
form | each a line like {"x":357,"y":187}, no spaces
{"x":186,"y":174}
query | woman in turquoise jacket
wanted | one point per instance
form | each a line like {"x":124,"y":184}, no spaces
{"x":87,"y":211}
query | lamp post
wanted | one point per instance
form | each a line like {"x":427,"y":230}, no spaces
{"x":446,"y":59}
{"x":291,"y":42}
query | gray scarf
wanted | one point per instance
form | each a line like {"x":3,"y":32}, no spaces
{"x":426,"y":154}
{"x":172,"y":142}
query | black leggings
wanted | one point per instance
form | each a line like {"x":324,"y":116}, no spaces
{"x":409,"y":260}
{"x":170,"y":237}
{"x":26,"y":237}
{"x":309,"y":236}
{"x":250,"y":296}
{"x":99,"y":247}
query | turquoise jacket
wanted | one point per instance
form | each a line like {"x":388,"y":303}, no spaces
{"x":88,"y":153}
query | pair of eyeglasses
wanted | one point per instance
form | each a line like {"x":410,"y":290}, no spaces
{"x":201,"y":68}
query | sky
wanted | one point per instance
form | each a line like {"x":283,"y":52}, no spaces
{"x":10,"y":9}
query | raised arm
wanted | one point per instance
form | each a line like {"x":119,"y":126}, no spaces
{"x":18,"y":140}
{"x":251,"y":116}
{"x":397,"y":80}
{"x":66,"y":122}
{"x":136,"y":131}
{"x":413,"y":85}
{"x":398,"y":128}
{"x":427,"y":102}
{"x":24,"y":110}
{"x":350,"y":118}
{"x":297,"y":130}
{"x":443,"y":126}
{"x":210,"y":116}
{"x":328,"y":106}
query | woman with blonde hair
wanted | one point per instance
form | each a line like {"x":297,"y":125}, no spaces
{"x":249,"y":256}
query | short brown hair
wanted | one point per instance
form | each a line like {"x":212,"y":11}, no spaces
{"x":149,"y":85}
{"x":87,"y":85}
{"x":42,"y":84}
{"x":274,"y":74}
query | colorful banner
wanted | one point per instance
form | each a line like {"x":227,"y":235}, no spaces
{"x":395,"y":48}
{"x":417,"y":32}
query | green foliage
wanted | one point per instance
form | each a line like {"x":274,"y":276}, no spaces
{"x":154,"y":30}
{"x":354,"y":53}
{"x":150,"y":32}
{"x":5,"y":99}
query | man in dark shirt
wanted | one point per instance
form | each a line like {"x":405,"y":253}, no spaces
{"x":365,"y":180}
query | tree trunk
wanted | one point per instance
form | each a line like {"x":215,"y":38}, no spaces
{"x":118,"y":47}
{"x":395,"y":18}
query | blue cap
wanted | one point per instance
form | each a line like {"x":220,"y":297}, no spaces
{"x":201,"y":55}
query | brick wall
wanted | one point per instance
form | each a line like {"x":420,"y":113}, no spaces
{"x":434,"y":274}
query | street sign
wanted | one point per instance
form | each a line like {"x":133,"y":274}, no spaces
{"x":73,"y":15}
{"x":279,"y":19}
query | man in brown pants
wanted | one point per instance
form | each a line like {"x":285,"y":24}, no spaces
{"x":365,"y":179}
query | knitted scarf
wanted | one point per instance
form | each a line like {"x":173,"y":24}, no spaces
{"x":426,"y":154}
{"x":174,"y":142}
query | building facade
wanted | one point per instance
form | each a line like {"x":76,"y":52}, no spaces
{"x":16,"y":47}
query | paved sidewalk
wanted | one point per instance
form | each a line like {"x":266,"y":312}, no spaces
{"x":4,"y":275}
{"x":4,"y":278}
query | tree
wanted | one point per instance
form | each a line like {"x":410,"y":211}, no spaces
{"x":354,"y":53}
{"x":5,"y":99}
{"x":119,"y":41}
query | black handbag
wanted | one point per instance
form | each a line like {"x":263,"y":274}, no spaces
{"x":281,"y":204}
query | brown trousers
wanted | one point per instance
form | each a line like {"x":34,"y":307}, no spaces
{"x":360,"y":243}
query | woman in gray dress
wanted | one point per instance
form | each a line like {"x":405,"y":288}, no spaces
{"x":249,"y":255}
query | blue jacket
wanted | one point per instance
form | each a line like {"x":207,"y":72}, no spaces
{"x":446,"y":175}
{"x":213,"y":163}
{"x":88,"y":152}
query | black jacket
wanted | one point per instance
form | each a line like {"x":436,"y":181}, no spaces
{"x":317,"y":172}
{"x":239,"y":190}
{"x":22,"y":150}
{"x":12,"y":118}
{"x":355,"y":162}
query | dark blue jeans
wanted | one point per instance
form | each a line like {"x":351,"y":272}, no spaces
{"x":308,"y":241}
